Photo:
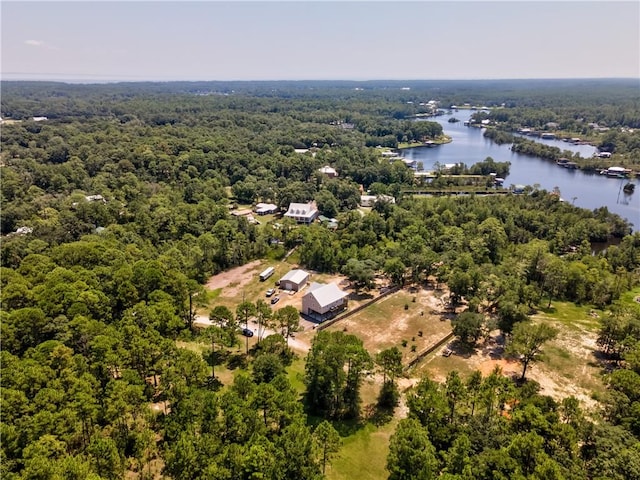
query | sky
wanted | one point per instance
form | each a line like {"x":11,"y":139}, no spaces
{"x":321,"y":40}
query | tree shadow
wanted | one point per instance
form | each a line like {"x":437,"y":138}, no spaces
{"x":345,"y":428}
{"x":494,"y":348}
{"x":213,"y":384}
{"x":605,"y":361}
{"x":359,"y":296}
{"x":237,"y":360}
{"x":378,"y":415}
{"x":547,"y":310}
{"x":219,"y":357}
{"x":460,"y":349}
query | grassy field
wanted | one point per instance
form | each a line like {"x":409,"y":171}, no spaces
{"x":629,"y":298}
{"x":363,"y":455}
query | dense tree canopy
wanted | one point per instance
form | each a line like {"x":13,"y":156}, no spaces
{"x":116,"y":209}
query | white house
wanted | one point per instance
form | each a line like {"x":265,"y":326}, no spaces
{"x":324,"y":300}
{"x":294,"y":280}
{"x":302,"y":212}
{"x":265,"y":208}
{"x":328,"y":171}
{"x":370,"y":200}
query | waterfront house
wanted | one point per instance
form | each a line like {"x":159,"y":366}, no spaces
{"x":616,"y":172}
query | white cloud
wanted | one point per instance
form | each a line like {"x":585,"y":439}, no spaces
{"x":40,"y":44}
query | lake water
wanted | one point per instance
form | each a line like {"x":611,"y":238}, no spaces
{"x":582,"y":189}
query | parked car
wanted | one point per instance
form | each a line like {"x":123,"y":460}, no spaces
{"x":446,"y":352}
{"x":270,"y":292}
{"x":247,"y":332}
{"x":275,"y":300}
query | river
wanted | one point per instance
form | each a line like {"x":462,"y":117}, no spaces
{"x":584,"y":190}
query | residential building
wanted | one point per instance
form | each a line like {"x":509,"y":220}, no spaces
{"x":303,"y":212}
{"x":324,"y":301}
{"x":370,"y":200}
{"x":265,"y":208}
{"x":329,"y":171}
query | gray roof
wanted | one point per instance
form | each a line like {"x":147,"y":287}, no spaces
{"x":326,"y":294}
{"x":295,"y":276}
{"x":301,"y":210}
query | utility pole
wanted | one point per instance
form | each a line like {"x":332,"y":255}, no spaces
{"x":246,"y":325}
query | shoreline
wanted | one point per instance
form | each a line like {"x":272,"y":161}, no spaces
{"x":440,"y":141}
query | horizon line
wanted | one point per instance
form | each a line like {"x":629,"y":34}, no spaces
{"x":103,"y":80}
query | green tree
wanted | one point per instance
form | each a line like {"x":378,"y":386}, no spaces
{"x":411,"y":454}
{"x":390,"y":362}
{"x":327,"y":442}
{"x":334,"y":371}
{"x":527,"y":341}
{"x":395,"y":270}
{"x":360,"y":272}
{"x":468,"y":327}
{"x":287,"y":319}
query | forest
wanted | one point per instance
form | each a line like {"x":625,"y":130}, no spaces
{"x":116,"y":205}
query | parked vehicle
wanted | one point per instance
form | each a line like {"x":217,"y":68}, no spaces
{"x":267,"y":273}
{"x":247,"y":332}
{"x":270,"y":292}
{"x":447,"y":352}
{"x":275,"y":300}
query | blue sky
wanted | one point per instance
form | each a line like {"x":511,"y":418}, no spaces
{"x":297,"y":40}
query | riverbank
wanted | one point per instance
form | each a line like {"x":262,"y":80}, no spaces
{"x":433,"y":143}
{"x":586,"y":189}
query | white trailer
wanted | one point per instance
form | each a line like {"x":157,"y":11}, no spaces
{"x":267,"y":273}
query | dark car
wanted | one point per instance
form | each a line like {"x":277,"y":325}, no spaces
{"x":247,"y":332}
{"x":275,"y":300}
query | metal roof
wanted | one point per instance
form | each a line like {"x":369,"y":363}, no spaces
{"x":295,"y":276}
{"x":326,"y":294}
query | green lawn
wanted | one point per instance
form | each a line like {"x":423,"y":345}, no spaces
{"x":572,"y":316}
{"x":363,"y":455}
{"x":295,"y":373}
{"x":629,"y":298}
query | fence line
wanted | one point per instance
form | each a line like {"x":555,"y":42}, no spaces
{"x":428,"y":350}
{"x":328,"y":323}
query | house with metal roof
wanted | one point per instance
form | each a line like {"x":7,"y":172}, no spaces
{"x":265,"y":208}
{"x":303,"y":212}
{"x":323,"y":301}
{"x":294,"y":280}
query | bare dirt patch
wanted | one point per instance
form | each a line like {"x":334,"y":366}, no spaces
{"x":232,"y":281}
{"x":569,"y":367}
{"x":410,"y":319}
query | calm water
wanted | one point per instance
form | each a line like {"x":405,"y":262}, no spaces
{"x":583,"y":189}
